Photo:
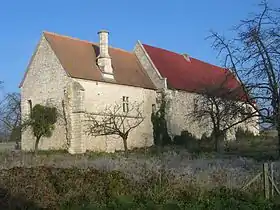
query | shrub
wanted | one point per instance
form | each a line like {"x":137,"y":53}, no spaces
{"x":206,"y":143}
{"x":158,"y":119}
{"x":42,"y":122}
{"x":7,"y":201}
{"x":92,"y":189}
{"x":50,"y":187}
{"x":242,"y":134}
{"x":187,"y":140}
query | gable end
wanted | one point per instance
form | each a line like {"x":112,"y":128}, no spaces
{"x":148,"y":65}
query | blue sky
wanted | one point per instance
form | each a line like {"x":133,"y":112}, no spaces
{"x":177,"y":25}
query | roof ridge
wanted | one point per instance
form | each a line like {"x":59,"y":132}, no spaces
{"x":189,"y":56}
{"x":81,"y":40}
{"x":210,"y":64}
{"x":163,"y":49}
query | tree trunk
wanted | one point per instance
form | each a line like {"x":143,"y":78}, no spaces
{"x":160,"y":143}
{"x":125,"y":146}
{"x":219,"y":142}
{"x":36,"y":145}
{"x":278,"y":135}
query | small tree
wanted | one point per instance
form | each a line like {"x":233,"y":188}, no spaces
{"x":222,"y":109}
{"x":42,"y":120}
{"x":115,"y":120}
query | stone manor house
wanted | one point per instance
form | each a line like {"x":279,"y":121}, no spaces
{"x":84,"y":77}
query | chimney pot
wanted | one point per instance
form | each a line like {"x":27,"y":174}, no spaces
{"x":103,"y":43}
{"x":104,"y":59}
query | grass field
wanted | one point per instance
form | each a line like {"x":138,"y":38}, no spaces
{"x":175,"y":167}
{"x":4,"y":146}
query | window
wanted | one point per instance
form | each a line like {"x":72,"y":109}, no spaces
{"x":153,"y":108}
{"x":195,"y":104}
{"x":125,"y":104}
{"x":30,"y":107}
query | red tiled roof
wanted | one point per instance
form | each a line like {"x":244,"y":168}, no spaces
{"x":193,"y":75}
{"x":78,"y":59}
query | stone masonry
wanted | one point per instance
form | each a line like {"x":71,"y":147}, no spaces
{"x":46,"y":82}
{"x":181,"y":104}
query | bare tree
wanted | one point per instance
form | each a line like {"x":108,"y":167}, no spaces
{"x":2,"y":95}
{"x":10,"y":115}
{"x":254,"y":57}
{"x":115,"y":120}
{"x":221,"y":109}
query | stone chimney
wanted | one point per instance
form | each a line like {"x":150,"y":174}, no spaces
{"x":104,"y":59}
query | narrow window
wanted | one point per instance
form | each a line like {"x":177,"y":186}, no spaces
{"x":195,"y":104}
{"x":30,"y":107}
{"x":125,"y":104}
{"x":153,"y":108}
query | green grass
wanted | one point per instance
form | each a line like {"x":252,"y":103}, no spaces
{"x":218,"y":199}
{"x":258,"y":148}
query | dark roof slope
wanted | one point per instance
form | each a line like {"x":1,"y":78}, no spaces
{"x":194,"y":75}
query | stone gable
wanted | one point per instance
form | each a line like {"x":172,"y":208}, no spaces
{"x":44,"y":83}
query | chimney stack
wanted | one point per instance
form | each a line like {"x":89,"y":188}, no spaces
{"x":104,"y":59}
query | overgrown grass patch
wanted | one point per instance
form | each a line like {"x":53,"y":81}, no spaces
{"x":258,"y":148}
{"x":74,"y":188}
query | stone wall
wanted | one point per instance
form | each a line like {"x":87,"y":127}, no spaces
{"x":99,"y":95}
{"x":47,"y":83}
{"x":149,"y":67}
{"x":180,"y":107}
{"x":76,"y":94}
{"x":181,"y":104}
{"x":44,"y":84}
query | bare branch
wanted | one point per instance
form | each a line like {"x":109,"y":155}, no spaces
{"x":253,"y":55}
{"x":113,"y":121}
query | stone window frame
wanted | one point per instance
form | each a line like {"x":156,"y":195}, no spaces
{"x":125,"y":103}
{"x":30,"y":106}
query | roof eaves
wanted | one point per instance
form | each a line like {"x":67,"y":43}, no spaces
{"x":115,"y":83}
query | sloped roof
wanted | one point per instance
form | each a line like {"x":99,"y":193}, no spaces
{"x":193,"y":75}
{"x":78,"y":58}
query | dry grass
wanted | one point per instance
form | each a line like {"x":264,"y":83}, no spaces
{"x":233,"y":169}
{"x":204,"y":170}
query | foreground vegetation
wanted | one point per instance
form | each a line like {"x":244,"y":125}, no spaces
{"x":52,"y":188}
{"x":183,"y":176}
